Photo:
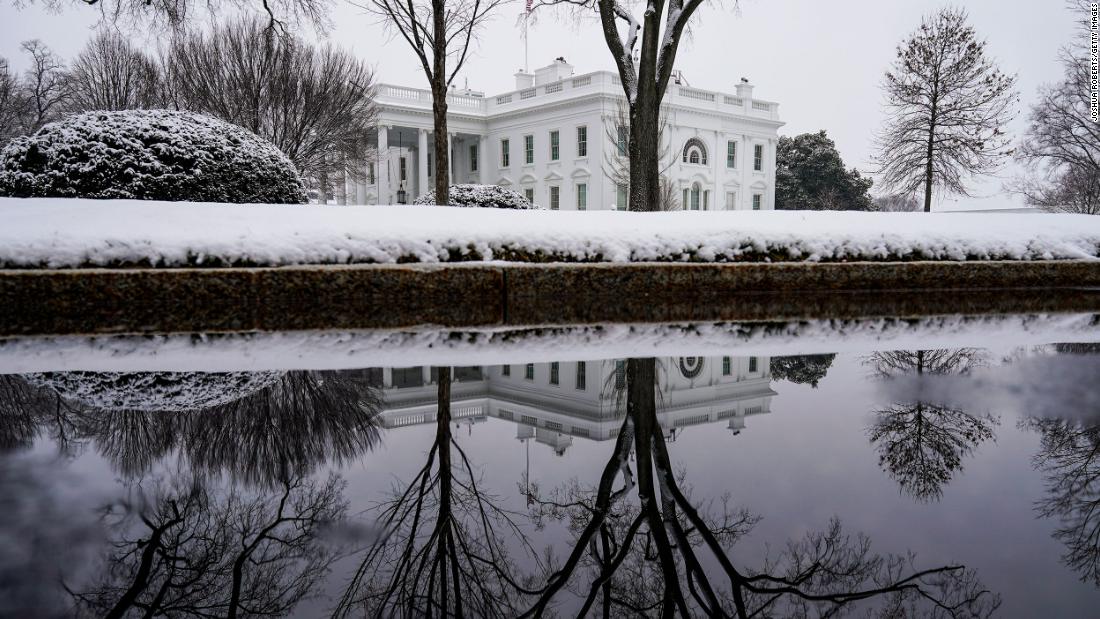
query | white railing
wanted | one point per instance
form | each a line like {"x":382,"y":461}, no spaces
{"x":402,"y":92}
{"x":738,"y":101}
{"x":465,"y":101}
{"x":502,"y":99}
{"x":760,"y":105}
{"x":552,"y":88}
{"x":692,"y":93}
{"x":584,"y":80}
{"x":527,"y":94}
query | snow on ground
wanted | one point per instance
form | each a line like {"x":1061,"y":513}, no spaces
{"x":51,"y":232}
{"x":347,"y":350}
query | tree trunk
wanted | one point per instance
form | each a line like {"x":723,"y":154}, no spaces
{"x":928,"y":154}
{"x":644,"y":149}
{"x":439,"y":103}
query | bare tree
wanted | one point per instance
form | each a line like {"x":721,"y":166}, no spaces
{"x":279,"y":15}
{"x":617,"y":160}
{"x":947,"y":104}
{"x":896,"y":203}
{"x":315,"y":103}
{"x":113,"y":74}
{"x":44,"y":85}
{"x":438,"y":31}
{"x":1062,"y":142}
{"x":689,"y":567}
{"x":644,"y":51}
{"x":13,"y":103}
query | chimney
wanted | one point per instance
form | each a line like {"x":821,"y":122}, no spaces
{"x":744,"y":89}
{"x":524,"y":80}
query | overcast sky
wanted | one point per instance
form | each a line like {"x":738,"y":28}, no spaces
{"x":822,"y":61}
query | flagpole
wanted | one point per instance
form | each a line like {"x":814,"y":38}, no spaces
{"x":526,"y":18}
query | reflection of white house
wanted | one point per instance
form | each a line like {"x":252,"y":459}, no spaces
{"x":555,"y":402}
{"x":553,"y":139}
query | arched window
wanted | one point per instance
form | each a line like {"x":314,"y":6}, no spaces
{"x":695,"y":152}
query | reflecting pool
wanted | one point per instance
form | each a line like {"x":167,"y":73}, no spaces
{"x":956,"y":478}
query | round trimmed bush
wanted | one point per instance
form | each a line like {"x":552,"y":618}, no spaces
{"x":153,"y":391}
{"x":148,"y":155}
{"x":485,"y":196}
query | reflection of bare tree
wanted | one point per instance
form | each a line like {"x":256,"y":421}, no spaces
{"x":919,"y":443}
{"x":678,"y":556}
{"x":444,"y":544}
{"x":922,"y":445}
{"x":891,"y":364}
{"x":182,"y":550}
{"x":330,"y":415}
{"x":1069,"y":456}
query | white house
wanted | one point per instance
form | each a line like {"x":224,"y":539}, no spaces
{"x":554,"y":403}
{"x":554,"y":139}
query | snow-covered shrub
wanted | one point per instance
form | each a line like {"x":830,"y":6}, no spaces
{"x":486,"y":196}
{"x":148,"y":155}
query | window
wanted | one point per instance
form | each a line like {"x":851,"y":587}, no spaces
{"x":620,"y":197}
{"x":529,"y":193}
{"x":731,"y":154}
{"x":554,"y":373}
{"x":620,"y":374}
{"x":408,"y":377}
{"x":580,"y":375}
{"x":505,"y":370}
{"x":706,"y":200}
{"x":528,"y":149}
{"x":429,"y":164}
{"x":695,"y":191}
{"x":554,"y":145}
{"x":623,"y":136}
{"x":726,"y":366}
{"x":529,"y":371}
{"x":505,"y":155}
{"x":582,"y":196}
{"x":582,"y":141}
{"x":756,"y":202}
{"x":695,"y":152}
{"x":404,"y":170}
{"x":473,"y":157}
{"x":752,"y":364}
{"x":758,"y":157}
{"x":370,"y":173}
{"x":731,"y":201}
{"x":555,"y":197}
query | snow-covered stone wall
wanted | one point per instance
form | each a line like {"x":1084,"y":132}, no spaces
{"x":60,"y":233}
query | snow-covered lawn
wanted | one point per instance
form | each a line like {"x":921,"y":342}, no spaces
{"x":80,"y":233}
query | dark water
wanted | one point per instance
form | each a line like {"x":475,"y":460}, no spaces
{"x":941,"y":482}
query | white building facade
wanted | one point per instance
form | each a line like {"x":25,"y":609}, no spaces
{"x":555,"y":140}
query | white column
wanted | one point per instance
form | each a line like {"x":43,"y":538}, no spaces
{"x":450,"y":157}
{"x":383,"y":167}
{"x":422,"y":185}
{"x":483,"y":159}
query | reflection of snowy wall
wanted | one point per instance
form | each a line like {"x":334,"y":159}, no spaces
{"x":153,"y":391}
